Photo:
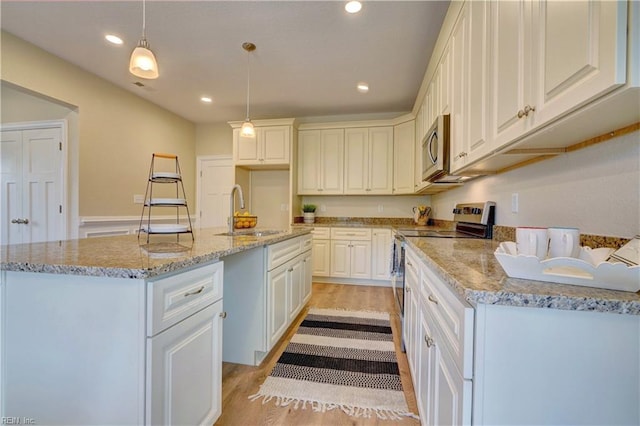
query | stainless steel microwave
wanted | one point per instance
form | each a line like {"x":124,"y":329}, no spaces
{"x":435,"y":150}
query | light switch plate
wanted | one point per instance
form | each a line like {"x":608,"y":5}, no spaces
{"x":514,"y":202}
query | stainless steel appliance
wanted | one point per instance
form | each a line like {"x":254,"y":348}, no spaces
{"x":472,"y":220}
{"x":436,"y":161}
{"x":435,"y":149}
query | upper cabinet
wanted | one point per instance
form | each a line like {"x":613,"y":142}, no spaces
{"x":550,"y":58}
{"x":403,"y":153}
{"x":320,"y":162}
{"x":271,"y":147}
{"x":368,"y":160}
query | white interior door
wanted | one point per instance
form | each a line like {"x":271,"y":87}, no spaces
{"x":216,"y":178}
{"x":32,"y":186}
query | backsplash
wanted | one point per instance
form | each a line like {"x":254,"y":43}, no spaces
{"x":508,"y":233}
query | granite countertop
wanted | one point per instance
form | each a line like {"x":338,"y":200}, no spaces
{"x":472,"y":271}
{"x":126,"y":257}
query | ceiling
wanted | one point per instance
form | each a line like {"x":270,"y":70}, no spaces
{"x":310,"y":54}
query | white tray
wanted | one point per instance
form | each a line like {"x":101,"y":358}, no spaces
{"x":162,"y":228}
{"x":569,"y":270}
{"x":167,"y":201}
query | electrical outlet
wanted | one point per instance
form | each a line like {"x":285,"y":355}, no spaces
{"x":514,"y":202}
{"x":138,"y":199}
{"x":284,"y":207}
{"x":323,"y":208}
{"x":380,"y":208}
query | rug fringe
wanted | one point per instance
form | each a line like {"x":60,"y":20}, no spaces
{"x":321,"y":407}
{"x":350,"y":310}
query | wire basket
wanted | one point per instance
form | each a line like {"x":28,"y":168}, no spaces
{"x":244,"y":222}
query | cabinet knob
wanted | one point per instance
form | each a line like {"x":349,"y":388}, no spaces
{"x":429,"y":341}
{"x":520,"y":113}
{"x":223,"y":315}
{"x":432,"y":299}
{"x":368,"y":189}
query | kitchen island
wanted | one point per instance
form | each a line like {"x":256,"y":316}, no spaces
{"x":116,"y":331}
{"x":486,"y":349}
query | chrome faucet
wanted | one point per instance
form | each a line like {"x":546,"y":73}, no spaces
{"x":232,"y":204}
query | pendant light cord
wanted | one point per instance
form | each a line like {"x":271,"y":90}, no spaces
{"x":248,"y":82}
{"x":144,"y":20}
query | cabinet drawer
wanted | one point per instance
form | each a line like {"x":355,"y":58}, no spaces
{"x":321,"y":233}
{"x":351,"y":234}
{"x":279,"y":253}
{"x":174,"y":298}
{"x":453,"y":318}
{"x":306,"y":242}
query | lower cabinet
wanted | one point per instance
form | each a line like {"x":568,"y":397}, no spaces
{"x":117,"y":351}
{"x":351,"y":259}
{"x":184,"y":365}
{"x":514,"y":365}
{"x":265,"y":290}
{"x":321,"y":252}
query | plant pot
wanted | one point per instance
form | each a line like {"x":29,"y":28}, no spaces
{"x":309,"y":217}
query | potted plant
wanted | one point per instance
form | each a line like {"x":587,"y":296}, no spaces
{"x":309,"y":213}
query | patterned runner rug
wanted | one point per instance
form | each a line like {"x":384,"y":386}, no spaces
{"x":339,"y":359}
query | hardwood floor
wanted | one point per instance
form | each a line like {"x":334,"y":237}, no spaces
{"x":240,"y":381}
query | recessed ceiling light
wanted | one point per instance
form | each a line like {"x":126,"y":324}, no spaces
{"x":113,"y":39}
{"x":206,"y":99}
{"x":362,"y":87}
{"x":353,"y":7}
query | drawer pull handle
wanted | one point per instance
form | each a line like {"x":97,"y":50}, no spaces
{"x":223,"y":315}
{"x":432,"y":299}
{"x":429,"y":341}
{"x":194,"y":292}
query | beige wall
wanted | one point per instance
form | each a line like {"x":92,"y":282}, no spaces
{"x":366,"y":205}
{"x":214,"y":139}
{"x":117,"y":131}
{"x":596,"y":189}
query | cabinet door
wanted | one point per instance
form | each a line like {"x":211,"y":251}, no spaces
{"x":331,"y":160}
{"x":581,"y":53}
{"x":381,"y":254}
{"x":380,"y":161}
{"x":246,"y":149}
{"x":307,"y":276}
{"x":360,"y":259}
{"x":477,"y":74}
{"x":356,"y":160}
{"x":296,"y":286}
{"x":309,"y":162}
{"x":340,"y":258}
{"x":459,"y":68}
{"x":321,"y":258}
{"x":425,"y":383}
{"x":275,"y":144}
{"x":184,"y":371}
{"x":277,"y":294}
{"x":510,"y":68}
{"x":451,"y":393}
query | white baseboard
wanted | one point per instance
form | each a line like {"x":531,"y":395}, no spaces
{"x":106,"y":226}
{"x":352,"y":281}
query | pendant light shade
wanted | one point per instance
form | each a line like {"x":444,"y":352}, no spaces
{"x":143,"y":62}
{"x":247,"y":127}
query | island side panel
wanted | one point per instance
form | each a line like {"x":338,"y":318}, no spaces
{"x":73,"y":349}
{"x":549,"y":366}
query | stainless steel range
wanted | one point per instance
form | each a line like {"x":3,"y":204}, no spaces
{"x":472,"y":220}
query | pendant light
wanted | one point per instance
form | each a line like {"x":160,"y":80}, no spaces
{"x":247,"y":127}
{"x":143,"y":62}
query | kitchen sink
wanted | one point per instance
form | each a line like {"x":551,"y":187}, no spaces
{"x":251,"y":233}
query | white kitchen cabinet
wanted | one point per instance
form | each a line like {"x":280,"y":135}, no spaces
{"x":551,"y":57}
{"x":403,"y":161}
{"x":351,"y":253}
{"x":411,"y":315}
{"x":469,"y":44}
{"x":321,"y":252}
{"x":381,"y":254}
{"x":185,"y":371}
{"x":368,"y":160}
{"x":266,"y":289}
{"x":271,"y":146}
{"x":130,"y":351}
{"x":320,"y":162}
